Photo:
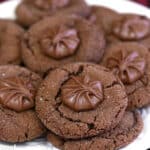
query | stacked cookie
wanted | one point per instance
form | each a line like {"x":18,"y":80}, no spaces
{"x":74,"y":74}
{"x":84,"y":107}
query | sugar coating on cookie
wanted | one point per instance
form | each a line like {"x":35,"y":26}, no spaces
{"x":59,"y":40}
{"x":125,"y":132}
{"x":80,"y":100}
{"x":18,"y":121}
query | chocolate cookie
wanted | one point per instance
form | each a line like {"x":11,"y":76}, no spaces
{"x":127,"y":131}
{"x":31,"y":11}
{"x":18,"y":121}
{"x":131,"y":27}
{"x":112,"y":39}
{"x":80,"y":100}
{"x":146,"y":42}
{"x":10,"y":42}
{"x":59,"y":40}
{"x":104,"y":17}
{"x":98,"y":143}
{"x":130,"y":61}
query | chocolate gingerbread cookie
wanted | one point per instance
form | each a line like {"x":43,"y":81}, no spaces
{"x":104,"y":17}
{"x":31,"y":11}
{"x":59,"y":40}
{"x":127,"y":131}
{"x":80,"y":100}
{"x":18,"y":121}
{"x":130,"y":61}
{"x":130,"y":27}
{"x":10,"y":42}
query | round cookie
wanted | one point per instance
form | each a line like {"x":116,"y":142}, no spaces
{"x":80,"y":100}
{"x":18,"y":121}
{"x":10,"y":42}
{"x":29,"y":12}
{"x":127,"y":131}
{"x":83,"y":144}
{"x":131,"y":27}
{"x":130,"y":61}
{"x":104,"y":17}
{"x":59,"y":40}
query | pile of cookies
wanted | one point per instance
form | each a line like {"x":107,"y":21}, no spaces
{"x":74,"y":74}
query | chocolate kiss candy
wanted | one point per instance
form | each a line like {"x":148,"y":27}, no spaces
{"x":80,"y":94}
{"x":16,"y":93}
{"x":128,"y":66}
{"x":64,"y":43}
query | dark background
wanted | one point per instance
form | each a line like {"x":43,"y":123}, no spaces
{"x":144,"y":2}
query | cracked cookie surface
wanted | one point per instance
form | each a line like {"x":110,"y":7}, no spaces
{"x":75,"y":121}
{"x":126,"y":131}
{"x":18,"y":121}
{"x":59,"y":40}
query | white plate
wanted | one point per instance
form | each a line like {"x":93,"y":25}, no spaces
{"x":142,"y":142}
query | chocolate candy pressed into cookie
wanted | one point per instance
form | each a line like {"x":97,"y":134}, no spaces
{"x":18,"y":121}
{"x":130,"y":61}
{"x":10,"y":42}
{"x":55,"y":41}
{"x":130,"y":27}
{"x":80,"y":100}
{"x":127,"y":131}
{"x":30,"y":11}
{"x":104,"y":17}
